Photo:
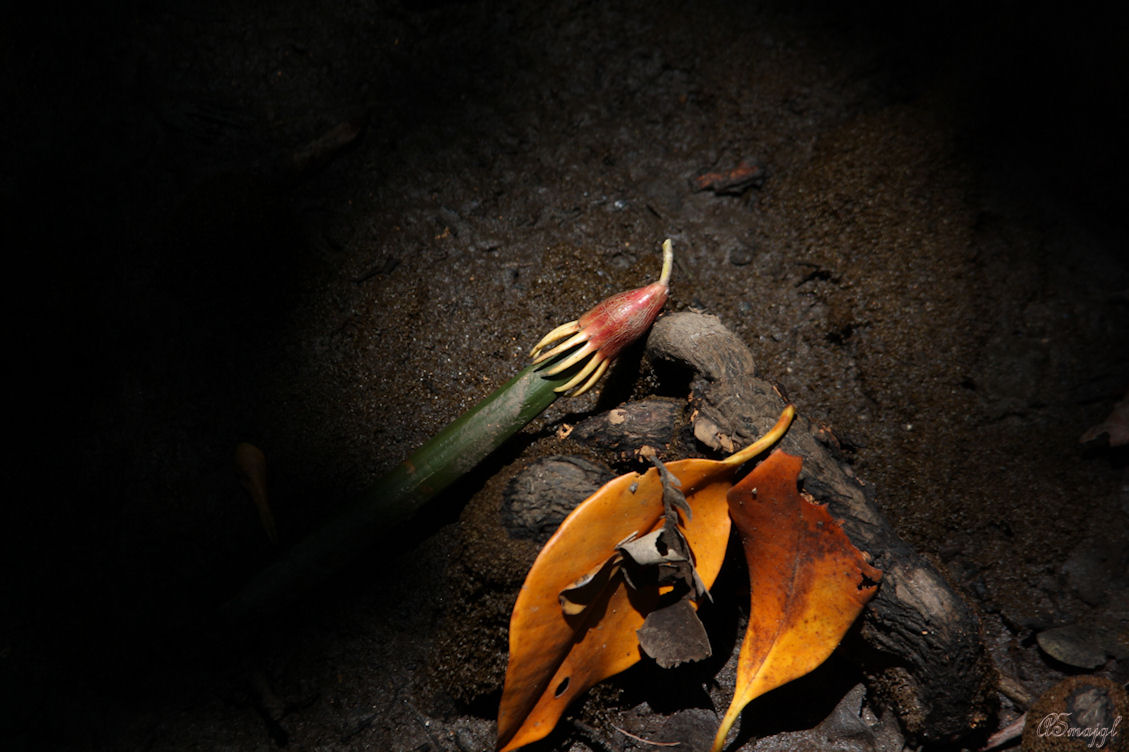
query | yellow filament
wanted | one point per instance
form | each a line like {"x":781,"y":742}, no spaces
{"x":580,"y":375}
{"x":572,"y":341}
{"x":572,"y":359}
{"x":561,"y":331}
{"x":593,"y":378}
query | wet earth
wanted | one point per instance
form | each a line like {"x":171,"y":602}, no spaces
{"x":329,"y":231}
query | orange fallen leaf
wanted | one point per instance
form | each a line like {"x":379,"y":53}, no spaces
{"x":553,"y":657}
{"x":808,"y":582}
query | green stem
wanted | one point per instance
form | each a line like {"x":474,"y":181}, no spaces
{"x":429,"y":470}
{"x":464,"y":443}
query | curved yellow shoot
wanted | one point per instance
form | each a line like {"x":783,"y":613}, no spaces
{"x":764,"y":442}
{"x":668,"y":263}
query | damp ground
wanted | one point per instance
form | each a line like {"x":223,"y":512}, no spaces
{"x":932,"y":266}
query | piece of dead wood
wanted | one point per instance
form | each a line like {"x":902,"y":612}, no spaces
{"x":537,"y":499}
{"x":648,"y":422}
{"x":749,"y":173}
{"x":927,"y":659}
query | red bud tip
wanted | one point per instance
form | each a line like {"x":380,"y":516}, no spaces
{"x":618,"y":321}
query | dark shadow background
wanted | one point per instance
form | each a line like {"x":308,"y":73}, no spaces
{"x":179,"y":283}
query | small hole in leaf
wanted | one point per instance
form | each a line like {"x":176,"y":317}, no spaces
{"x":560,"y":690}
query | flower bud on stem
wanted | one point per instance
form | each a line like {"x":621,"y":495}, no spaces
{"x":577,"y":363}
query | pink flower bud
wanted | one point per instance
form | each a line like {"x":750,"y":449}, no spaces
{"x":616,"y":322}
{"x":604,"y":331}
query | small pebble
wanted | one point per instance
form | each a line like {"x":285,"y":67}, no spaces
{"x":1073,"y":644}
{"x":741,"y":255}
{"x":465,"y":741}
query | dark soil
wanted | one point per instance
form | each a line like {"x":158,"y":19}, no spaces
{"x":934,"y":267}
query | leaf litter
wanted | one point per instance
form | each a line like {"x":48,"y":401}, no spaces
{"x":648,"y":547}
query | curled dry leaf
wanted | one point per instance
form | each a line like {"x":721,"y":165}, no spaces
{"x":663,"y":562}
{"x":807,"y":581}
{"x":575,"y":622}
{"x":673,"y":634}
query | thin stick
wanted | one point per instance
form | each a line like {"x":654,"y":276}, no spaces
{"x":630,"y":735}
